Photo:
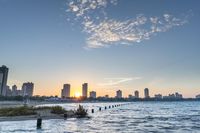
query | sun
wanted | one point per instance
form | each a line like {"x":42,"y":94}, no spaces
{"x":77,"y":94}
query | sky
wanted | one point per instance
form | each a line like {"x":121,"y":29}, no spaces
{"x":110,"y":44}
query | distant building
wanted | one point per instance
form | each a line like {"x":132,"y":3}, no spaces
{"x":3,"y":80}
{"x":146,"y":93}
{"x":158,"y":96}
{"x":84,"y":89}
{"x":178,"y":96}
{"x":8,"y":91}
{"x":27,"y":89}
{"x":198,"y":96}
{"x":65,"y":92}
{"x":14,"y":90}
{"x":136,"y":94}
{"x":19,"y":93}
{"x":119,"y":94}
{"x":93,"y":94}
{"x":173,"y":96}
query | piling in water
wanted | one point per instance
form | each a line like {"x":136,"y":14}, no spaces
{"x":92,"y":110}
{"x":100,"y":109}
{"x":65,"y":116}
{"x":105,"y":107}
{"x":39,"y":123}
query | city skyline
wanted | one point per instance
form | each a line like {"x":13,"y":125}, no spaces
{"x":111,"y":45}
{"x":85,"y":91}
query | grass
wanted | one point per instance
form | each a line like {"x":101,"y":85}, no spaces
{"x":17,"y":111}
{"x":81,"y":112}
{"x":58,"y":110}
{"x":25,"y":111}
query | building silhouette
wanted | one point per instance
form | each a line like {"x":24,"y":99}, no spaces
{"x":65,"y":92}
{"x":93,"y":94}
{"x":3,"y":80}
{"x":84,"y":90}
{"x":136,"y":94}
{"x":27,"y":89}
{"x":158,"y":96}
{"x":8,"y":91}
{"x":146,"y":93}
{"x":119,"y":94}
{"x":14,"y":90}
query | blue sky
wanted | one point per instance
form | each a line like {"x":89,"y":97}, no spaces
{"x":110,"y":45}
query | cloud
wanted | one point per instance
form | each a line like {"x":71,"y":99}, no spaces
{"x":116,"y":81}
{"x":104,"y":32}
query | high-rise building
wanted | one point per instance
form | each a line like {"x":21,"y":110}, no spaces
{"x":146,"y":93}
{"x":3,"y":80}
{"x":65,"y":92}
{"x":14,"y":90}
{"x":8,"y":91}
{"x":93,"y":94}
{"x":119,"y":94}
{"x":27,"y":89}
{"x":136,"y":94}
{"x":84,"y":89}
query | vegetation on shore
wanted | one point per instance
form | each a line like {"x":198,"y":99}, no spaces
{"x":81,"y":112}
{"x":26,"y":111}
{"x":17,"y":111}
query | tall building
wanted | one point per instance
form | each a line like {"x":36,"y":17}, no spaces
{"x":65,"y":92}
{"x":93,"y":94}
{"x":3,"y":80}
{"x":119,"y":94}
{"x":136,"y":94}
{"x":27,"y":89}
{"x":146,"y":93}
{"x":84,"y":89}
{"x":14,"y":90}
{"x":8,"y":91}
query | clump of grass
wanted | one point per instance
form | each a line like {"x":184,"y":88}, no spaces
{"x":17,"y":111}
{"x":58,"y":110}
{"x":81,"y":112}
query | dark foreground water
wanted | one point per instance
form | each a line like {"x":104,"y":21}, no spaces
{"x":179,"y":117}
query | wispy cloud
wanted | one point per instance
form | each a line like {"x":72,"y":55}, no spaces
{"x":116,"y":81}
{"x":103,"y":31}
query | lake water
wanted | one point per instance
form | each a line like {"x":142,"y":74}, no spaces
{"x":181,"y":117}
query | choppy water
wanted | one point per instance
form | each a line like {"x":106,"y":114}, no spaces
{"x":136,"y":117}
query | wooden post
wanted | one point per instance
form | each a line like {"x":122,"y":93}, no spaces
{"x":65,"y":115}
{"x":92,"y":110}
{"x":39,"y":122}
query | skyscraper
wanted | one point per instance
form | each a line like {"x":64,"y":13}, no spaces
{"x":146,"y":93}
{"x":27,"y":89}
{"x":136,"y":94}
{"x":14,"y":90}
{"x":119,"y":94}
{"x":3,"y":80}
{"x":92,"y":94}
{"x":65,"y":92}
{"x":84,"y":89}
